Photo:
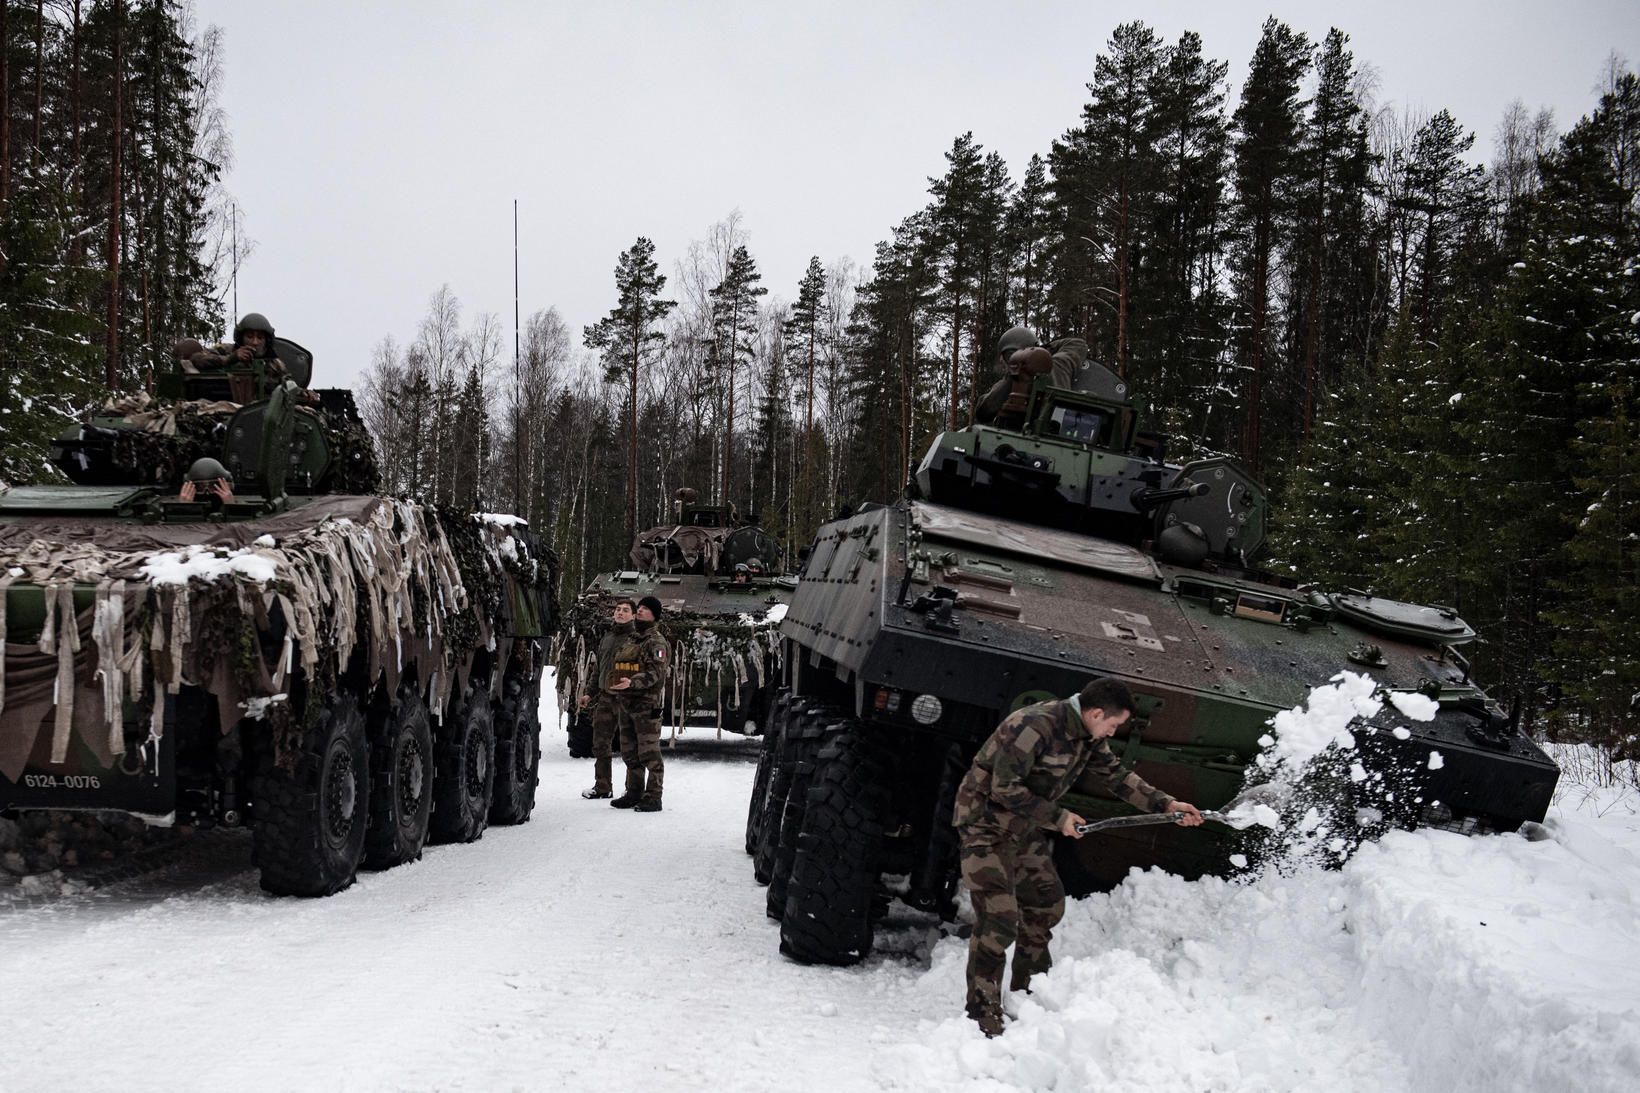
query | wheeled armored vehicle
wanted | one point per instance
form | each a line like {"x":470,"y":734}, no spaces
{"x":718,"y":581}
{"x":349,"y":674}
{"x":1020,"y":563}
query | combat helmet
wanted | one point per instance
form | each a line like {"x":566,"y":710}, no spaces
{"x":1017,"y":338}
{"x":253,"y":320}
{"x":206,"y":470}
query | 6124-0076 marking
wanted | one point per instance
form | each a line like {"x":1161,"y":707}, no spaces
{"x":67,"y":781}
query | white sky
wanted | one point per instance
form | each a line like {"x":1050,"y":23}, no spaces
{"x":380,"y":145}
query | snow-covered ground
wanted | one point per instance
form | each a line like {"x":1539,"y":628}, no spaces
{"x":600,"y":949}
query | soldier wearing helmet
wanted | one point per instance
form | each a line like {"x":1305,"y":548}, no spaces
{"x":252,"y":346}
{"x":209,"y":475}
{"x":1021,"y":357}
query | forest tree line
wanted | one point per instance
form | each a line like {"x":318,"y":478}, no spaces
{"x":1429,"y":361}
{"x":115,"y":234}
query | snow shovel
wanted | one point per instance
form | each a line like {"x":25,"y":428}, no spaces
{"x":1231,"y":815}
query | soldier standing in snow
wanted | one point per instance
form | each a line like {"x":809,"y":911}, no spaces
{"x":603,"y":713}
{"x":1005,"y":808}
{"x":637,"y":682}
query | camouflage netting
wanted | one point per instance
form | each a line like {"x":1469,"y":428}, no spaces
{"x":240,"y":609}
{"x":164,"y":439}
{"x":726,"y":653}
{"x":679,"y":547}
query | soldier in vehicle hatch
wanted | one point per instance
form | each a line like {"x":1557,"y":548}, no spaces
{"x":1021,"y":358}
{"x":252,"y":345}
{"x":1005,"y":808}
{"x":637,"y":680}
{"x":603,"y":705}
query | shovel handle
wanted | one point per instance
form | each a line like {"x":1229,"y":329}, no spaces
{"x":1143,"y":819}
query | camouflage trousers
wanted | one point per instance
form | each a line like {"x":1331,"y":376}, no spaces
{"x":640,"y":734}
{"x":1017,"y":896}
{"x":602,"y":713}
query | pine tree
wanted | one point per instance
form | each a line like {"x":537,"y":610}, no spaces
{"x":734,"y":326}
{"x":1267,"y":126}
{"x":1181,"y":333}
{"x":628,"y":337}
{"x":804,"y":330}
{"x":1026,"y":236}
{"x":953,"y":225}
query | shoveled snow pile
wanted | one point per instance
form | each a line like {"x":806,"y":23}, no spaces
{"x":1430,"y":961}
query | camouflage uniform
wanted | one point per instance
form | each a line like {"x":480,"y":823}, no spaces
{"x":1006,"y":807}
{"x":640,"y":657}
{"x":1069,"y":354}
{"x":601,"y":710}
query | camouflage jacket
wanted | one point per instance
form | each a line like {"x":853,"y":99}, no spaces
{"x":641,"y":657}
{"x":1069,"y":354}
{"x":615,"y":635}
{"x":1034,"y":757}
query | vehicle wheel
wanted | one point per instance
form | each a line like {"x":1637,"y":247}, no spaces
{"x":309,"y":823}
{"x":758,"y":806}
{"x":801,"y":746}
{"x":517,"y":751}
{"x":401,"y":782}
{"x":580,"y":735}
{"x":464,"y":769}
{"x":836,"y":874}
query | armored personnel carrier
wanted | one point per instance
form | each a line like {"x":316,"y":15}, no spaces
{"x":717,"y":577}
{"x":349,"y":674}
{"x":1024,"y":560}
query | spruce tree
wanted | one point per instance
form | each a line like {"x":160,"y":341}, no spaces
{"x":954,"y":224}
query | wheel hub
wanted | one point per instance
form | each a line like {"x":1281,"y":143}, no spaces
{"x":412,"y":777}
{"x":341,"y":796}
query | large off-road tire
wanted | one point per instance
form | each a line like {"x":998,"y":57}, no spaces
{"x":580,"y":734}
{"x":802,"y":745}
{"x":464,"y":768}
{"x":309,"y":823}
{"x":836,"y":874}
{"x":517,"y":751}
{"x":401,"y":782}
{"x":758,"y":806}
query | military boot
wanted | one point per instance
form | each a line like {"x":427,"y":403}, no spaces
{"x":988,"y":1018}
{"x":648,"y":804}
{"x":1027,"y":965}
{"x":634,"y":791}
{"x":596,"y":794}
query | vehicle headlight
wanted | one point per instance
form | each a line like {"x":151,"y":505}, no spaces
{"x":926,"y":709}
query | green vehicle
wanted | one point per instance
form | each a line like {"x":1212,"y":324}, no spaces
{"x":715,"y":576}
{"x":1020,"y":563}
{"x":221,"y":622}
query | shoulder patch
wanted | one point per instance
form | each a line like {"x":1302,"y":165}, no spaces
{"x":1027,"y":738}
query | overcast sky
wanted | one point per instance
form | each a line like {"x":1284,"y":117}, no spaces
{"x":380,"y":145}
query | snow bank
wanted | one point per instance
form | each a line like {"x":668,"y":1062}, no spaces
{"x":501,"y":519}
{"x":1430,"y":961}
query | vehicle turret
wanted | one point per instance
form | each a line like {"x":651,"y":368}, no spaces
{"x":1080,"y":462}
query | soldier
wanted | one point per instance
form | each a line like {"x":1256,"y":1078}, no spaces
{"x":638,"y":679}
{"x":603,"y":706}
{"x":211,"y":476}
{"x":1021,"y":358}
{"x":1006,"y":806}
{"x":252,"y":345}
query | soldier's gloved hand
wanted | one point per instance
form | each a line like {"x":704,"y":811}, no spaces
{"x":1069,"y":824}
